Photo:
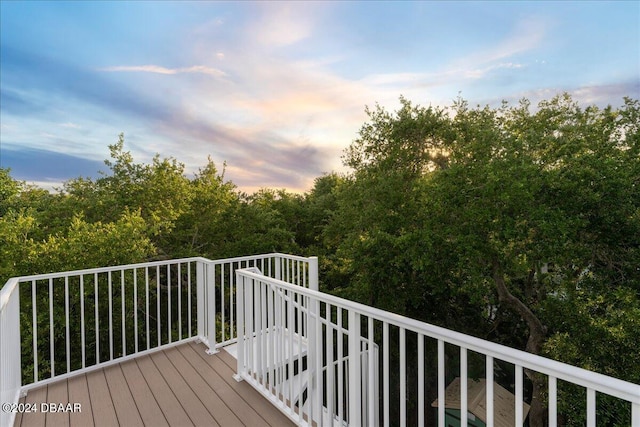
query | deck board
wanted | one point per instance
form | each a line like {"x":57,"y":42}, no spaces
{"x":235,"y":411}
{"x":163,"y":394}
{"x":225,"y":366}
{"x":145,"y":402}
{"x":184,"y":391}
{"x":121,"y":397}
{"x":35,"y":419}
{"x":79,"y":392}
{"x":179,"y":386}
{"x":57,"y":393}
{"x":104,"y":413}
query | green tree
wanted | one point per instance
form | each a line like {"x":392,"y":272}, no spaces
{"x":9,"y":189}
{"x":378,"y":219}
{"x":201,"y":227}
{"x":254,"y":225}
{"x":159,"y":191}
{"x":88,"y":245}
{"x":502,"y":209}
{"x":377,"y":224}
{"x":15,"y":242}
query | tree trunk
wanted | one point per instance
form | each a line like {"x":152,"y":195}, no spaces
{"x":538,"y":409}
{"x":537,"y":335}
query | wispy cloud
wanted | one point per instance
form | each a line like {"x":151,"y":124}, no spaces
{"x":604,"y":93}
{"x":46,"y":165}
{"x":482,"y":72}
{"x":157,"y":69}
{"x":598,"y":94}
{"x":527,"y":34}
{"x":448,"y":76}
{"x":282,"y":24}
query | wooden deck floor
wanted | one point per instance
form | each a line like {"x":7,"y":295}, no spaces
{"x":180,"y":386}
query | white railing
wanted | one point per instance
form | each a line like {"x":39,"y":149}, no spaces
{"x":53,"y":326}
{"x":309,"y":375}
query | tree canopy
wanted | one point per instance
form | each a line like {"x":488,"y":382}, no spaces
{"x":519,"y":224}
{"x":532,"y":214}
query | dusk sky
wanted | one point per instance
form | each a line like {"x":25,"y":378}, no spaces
{"x":278,"y":90}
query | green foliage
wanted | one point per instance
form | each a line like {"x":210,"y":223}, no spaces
{"x":15,"y":242}
{"x":87,"y":245}
{"x":9,"y":189}
{"x":198,"y":230}
{"x":255,"y":225}
{"x":381,"y":256}
{"x":514,"y":220}
{"x":452,"y":193}
{"x":159,"y":190}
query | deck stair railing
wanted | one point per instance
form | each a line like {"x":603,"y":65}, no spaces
{"x":418,"y":360}
{"x":57,"y":325}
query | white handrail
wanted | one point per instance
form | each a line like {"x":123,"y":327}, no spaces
{"x":146,"y":264}
{"x":112,"y":268}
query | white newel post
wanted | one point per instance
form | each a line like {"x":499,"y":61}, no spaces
{"x":10,"y":364}
{"x":315,"y":344}
{"x":240,"y":368}
{"x":313,"y":273}
{"x":211,"y":308}
{"x":355,"y":392}
{"x":278,"y":260}
{"x":200,"y":295}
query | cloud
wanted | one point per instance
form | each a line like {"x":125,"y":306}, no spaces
{"x":278,"y":122}
{"x":394,"y":79}
{"x":18,"y":102}
{"x":190,"y":124}
{"x":482,"y":72}
{"x":265,"y":156}
{"x":163,"y":70}
{"x":605,"y":94}
{"x":527,"y":35}
{"x":447,"y":76}
{"x":600,"y":95}
{"x":54,"y":86}
{"x":47,"y":165}
{"x":282,"y":24}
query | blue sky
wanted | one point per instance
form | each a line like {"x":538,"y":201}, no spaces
{"x":278,"y":90}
